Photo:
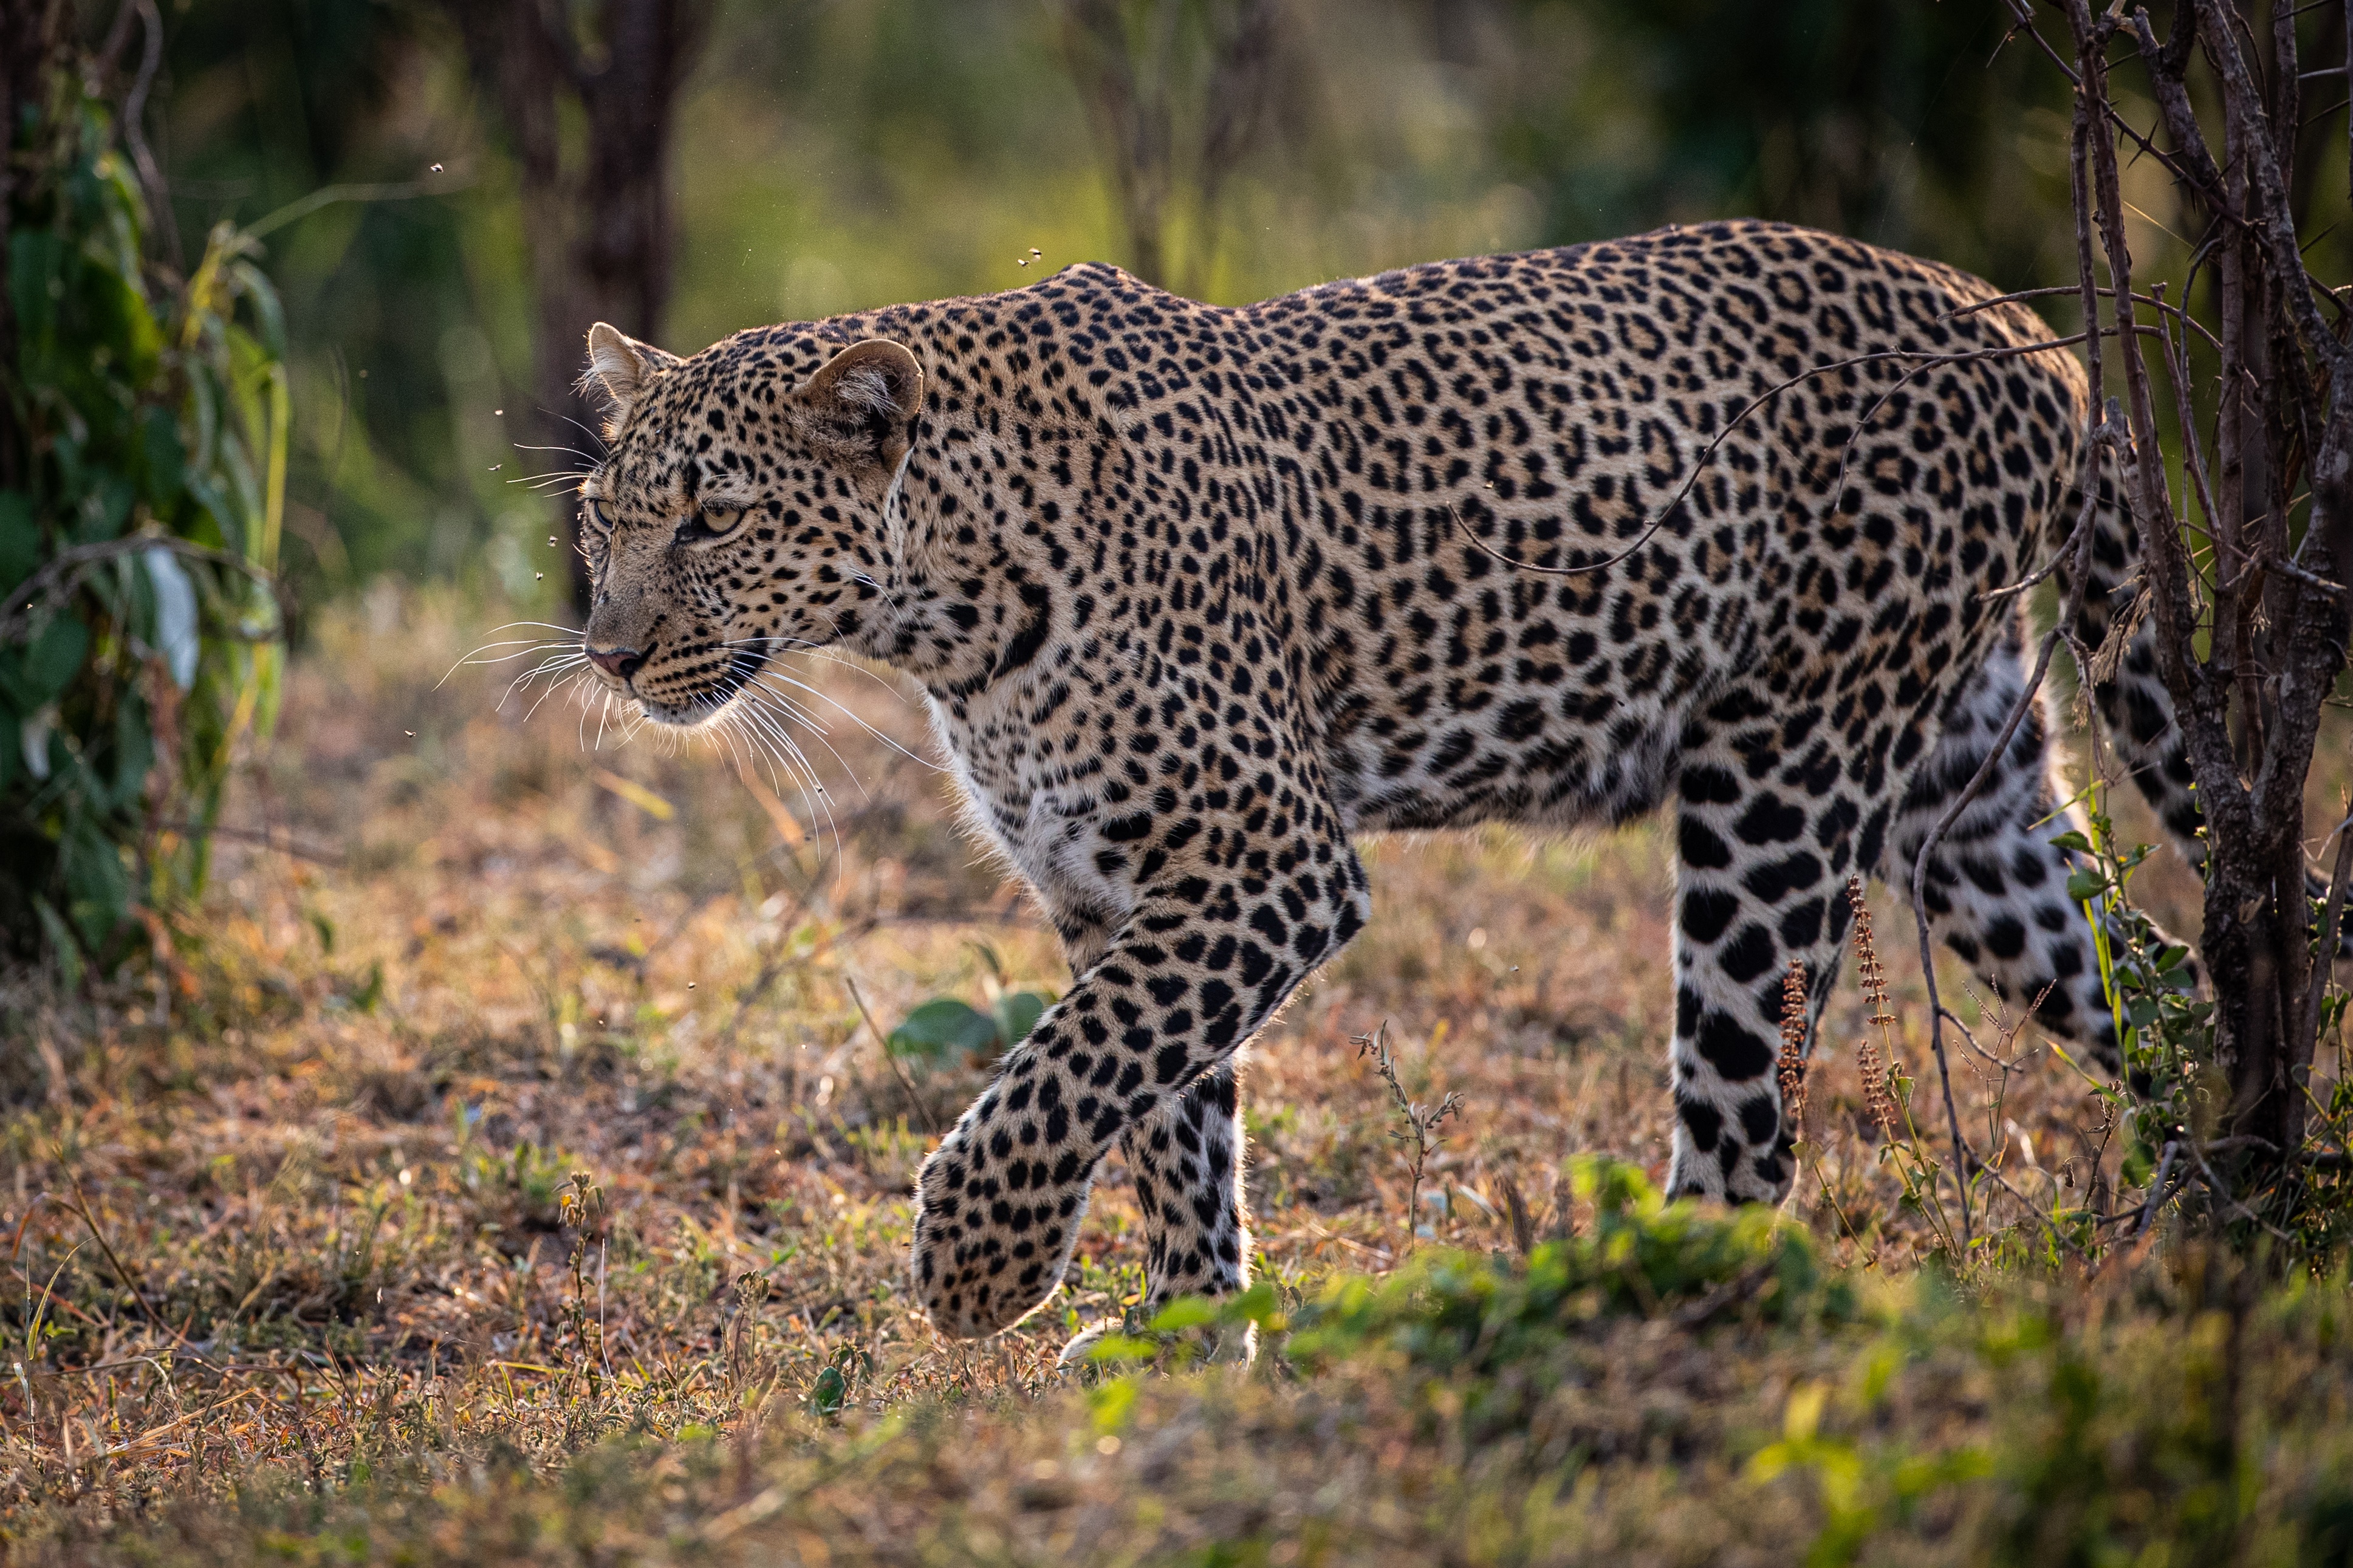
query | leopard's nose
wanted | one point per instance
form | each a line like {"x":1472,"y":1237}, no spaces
{"x":620,"y":663}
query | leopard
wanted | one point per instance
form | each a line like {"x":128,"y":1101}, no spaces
{"x":1734,"y":522}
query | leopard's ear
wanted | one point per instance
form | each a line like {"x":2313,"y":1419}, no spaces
{"x":863,"y":401}
{"x":621,"y":366}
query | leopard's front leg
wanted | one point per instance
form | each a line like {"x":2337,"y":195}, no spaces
{"x":1205,"y":958}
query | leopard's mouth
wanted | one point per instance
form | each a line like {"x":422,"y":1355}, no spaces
{"x":694,"y":708}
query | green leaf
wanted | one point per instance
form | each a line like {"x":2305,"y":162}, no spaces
{"x":106,"y":509}
{"x":60,"y":943}
{"x":1018,"y":1013}
{"x":2070,"y":839}
{"x":370,"y":994}
{"x":134,"y":750}
{"x":830,"y":1393}
{"x":20,"y":540}
{"x":166,"y":460}
{"x":1183,"y":1313}
{"x":942,"y":1027}
{"x":36,"y":256}
{"x":2086,"y":884}
{"x":98,"y":886}
{"x":53,"y":659}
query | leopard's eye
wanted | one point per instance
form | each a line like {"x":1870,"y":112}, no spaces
{"x":709,"y":522}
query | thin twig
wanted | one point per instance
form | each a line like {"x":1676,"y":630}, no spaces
{"x":2325,"y":964}
{"x":15,"y":613}
{"x":890,"y":1057}
{"x":81,"y":1205}
{"x":2156,"y":1189}
{"x":2069,"y":1242}
{"x":252,"y":836}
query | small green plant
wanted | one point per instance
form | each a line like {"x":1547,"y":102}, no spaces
{"x":2164,"y":1029}
{"x":2176,"y":1099}
{"x":1863,"y":1487}
{"x":943,"y":1028}
{"x":141,"y":500}
{"x":1641,"y":1257}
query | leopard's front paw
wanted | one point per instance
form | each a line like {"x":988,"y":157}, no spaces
{"x":992,"y":1237}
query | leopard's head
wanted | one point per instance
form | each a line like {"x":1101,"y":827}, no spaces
{"x":742,"y":511}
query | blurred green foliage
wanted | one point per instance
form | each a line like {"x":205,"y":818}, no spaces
{"x":139,"y":640}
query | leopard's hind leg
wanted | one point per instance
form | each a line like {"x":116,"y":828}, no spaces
{"x":1996,"y":890}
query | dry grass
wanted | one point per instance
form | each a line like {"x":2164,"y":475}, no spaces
{"x":529,"y":1110}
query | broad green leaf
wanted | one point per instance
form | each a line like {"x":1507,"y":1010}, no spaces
{"x":942,"y":1027}
{"x":134,"y":750}
{"x":20,"y":540}
{"x":62,"y":943}
{"x":1183,"y":1313}
{"x":106,"y":509}
{"x":164,"y":459}
{"x":1018,"y":1013}
{"x":98,"y":886}
{"x":35,"y":260}
{"x":53,"y":658}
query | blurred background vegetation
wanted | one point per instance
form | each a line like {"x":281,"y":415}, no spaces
{"x":825,"y":155}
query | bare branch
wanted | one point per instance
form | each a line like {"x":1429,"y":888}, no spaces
{"x":2272,"y":216}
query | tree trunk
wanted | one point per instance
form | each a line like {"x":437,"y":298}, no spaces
{"x":596,"y":219}
{"x":2249,"y":707}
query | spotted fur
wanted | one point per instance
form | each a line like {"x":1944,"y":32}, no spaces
{"x":1198,"y":596}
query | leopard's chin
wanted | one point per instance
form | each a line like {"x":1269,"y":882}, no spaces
{"x":696,"y":711}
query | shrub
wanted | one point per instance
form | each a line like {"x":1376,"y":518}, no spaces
{"x":1454,"y":1311}
{"x":140,"y":495}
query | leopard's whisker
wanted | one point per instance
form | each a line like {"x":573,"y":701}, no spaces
{"x":797,"y":767}
{"x":602,"y":715}
{"x":525,"y":648}
{"x":852,"y":715}
{"x":761,"y":696}
{"x":554,"y":664}
{"x":769,"y":673}
{"x":554,"y":687}
{"x":601,"y":444}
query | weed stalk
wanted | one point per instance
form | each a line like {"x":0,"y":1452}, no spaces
{"x":1421,"y":1132}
